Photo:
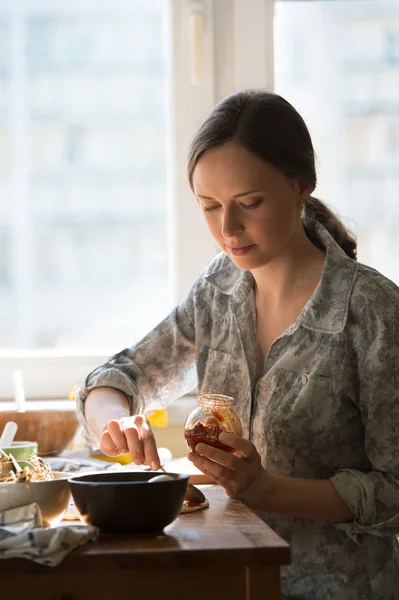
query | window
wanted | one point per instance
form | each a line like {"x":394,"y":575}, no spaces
{"x":392,"y":46}
{"x":84,"y":210}
{"x":99,"y":232}
{"x":350,"y":102}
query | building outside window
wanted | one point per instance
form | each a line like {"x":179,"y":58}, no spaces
{"x":348,"y":94}
{"x":83,"y":221}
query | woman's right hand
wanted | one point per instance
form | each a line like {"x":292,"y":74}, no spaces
{"x":133,"y":435}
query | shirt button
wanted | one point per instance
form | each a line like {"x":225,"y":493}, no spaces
{"x":304,"y":379}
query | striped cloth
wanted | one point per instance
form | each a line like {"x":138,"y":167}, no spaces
{"x":22,"y":535}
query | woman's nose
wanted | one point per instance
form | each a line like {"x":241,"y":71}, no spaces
{"x":231,"y":226}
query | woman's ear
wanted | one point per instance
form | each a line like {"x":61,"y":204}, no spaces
{"x":305,"y":189}
{"x":301,"y":187}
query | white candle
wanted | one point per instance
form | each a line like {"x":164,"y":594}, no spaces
{"x":18,"y":387}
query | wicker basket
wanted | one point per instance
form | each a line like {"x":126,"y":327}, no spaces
{"x":51,"y":429}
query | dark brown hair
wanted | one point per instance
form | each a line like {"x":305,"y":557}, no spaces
{"x":271,"y":128}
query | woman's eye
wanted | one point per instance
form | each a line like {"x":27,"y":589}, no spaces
{"x":249,"y":206}
{"x":254,"y":205}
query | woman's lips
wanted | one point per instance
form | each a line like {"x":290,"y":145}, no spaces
{"x":240,"y":251}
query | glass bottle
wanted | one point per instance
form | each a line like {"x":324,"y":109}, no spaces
{"x":214,"y":414}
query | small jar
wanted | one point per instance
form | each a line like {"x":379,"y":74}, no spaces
{"x":214,"y":415}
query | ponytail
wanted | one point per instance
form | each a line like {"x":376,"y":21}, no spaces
{"x":315,"y":211}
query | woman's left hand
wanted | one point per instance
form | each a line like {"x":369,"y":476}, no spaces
{"x":241,"y":473}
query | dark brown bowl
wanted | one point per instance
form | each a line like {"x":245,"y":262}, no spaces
{"x":126,"y":502}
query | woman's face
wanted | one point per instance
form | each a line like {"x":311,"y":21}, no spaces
{"x":251,"y":209}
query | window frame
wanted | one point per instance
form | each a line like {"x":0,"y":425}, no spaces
{"x":215,"y":47}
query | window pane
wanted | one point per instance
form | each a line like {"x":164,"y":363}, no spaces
{"x":338,"y":64}
{"x":83,"y":237}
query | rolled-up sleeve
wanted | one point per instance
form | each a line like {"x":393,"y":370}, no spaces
{"x":153,"y":372}
{"x":373,"y":494}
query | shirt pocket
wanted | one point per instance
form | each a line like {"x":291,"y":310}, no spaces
{"x":216,"y":369}
{"x":304,"y":401}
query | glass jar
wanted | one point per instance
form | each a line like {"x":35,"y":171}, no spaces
{"x":214,"y":414}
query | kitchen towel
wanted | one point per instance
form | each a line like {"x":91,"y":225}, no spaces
{"x":22,"y":535}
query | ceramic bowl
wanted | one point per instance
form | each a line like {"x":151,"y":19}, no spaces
{"x":126,"y":503}
{"x":52,"y":497}
{"x":21,"y":451}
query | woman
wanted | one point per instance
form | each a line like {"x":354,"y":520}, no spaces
{"x":301,"y":335}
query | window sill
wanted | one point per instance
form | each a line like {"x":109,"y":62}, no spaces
{"x":177,"y":412}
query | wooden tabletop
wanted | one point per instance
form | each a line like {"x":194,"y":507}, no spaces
{"x":227,"y":533}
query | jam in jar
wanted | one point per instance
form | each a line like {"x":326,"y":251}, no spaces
{"x":214,"y":414}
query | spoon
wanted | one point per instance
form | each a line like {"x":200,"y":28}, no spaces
{"x":192,"y":494}
{"x":8,"y":435}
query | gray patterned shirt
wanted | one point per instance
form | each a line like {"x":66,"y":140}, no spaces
{"x":326,"y":406}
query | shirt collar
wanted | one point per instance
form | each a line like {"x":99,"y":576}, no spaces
{"x":326,"y":310}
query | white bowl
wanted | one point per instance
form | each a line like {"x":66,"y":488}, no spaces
{"x":52,"y":496}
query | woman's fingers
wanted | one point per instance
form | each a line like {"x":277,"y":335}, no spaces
{"x":141,"y":441}
{"x":134,"y":444}
{"x":216,"y":469}
{"x":118,"y":437}
{"x":148,"y":442}
{"x":232,"y":481}
{"x":246,"y":447}
{"x":240,"y":473}
{"x":107,"y":445}
{"x":133,"y":435}
{"x":221,"y":457}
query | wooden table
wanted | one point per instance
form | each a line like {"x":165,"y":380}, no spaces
{"x":222,"y":553}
